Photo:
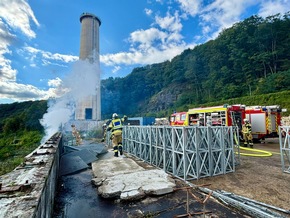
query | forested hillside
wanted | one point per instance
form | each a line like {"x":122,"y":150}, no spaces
{"x":20,"y":131}
{"x":249,"y":59}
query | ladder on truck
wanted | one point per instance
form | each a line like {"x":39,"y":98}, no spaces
{"x":235,"y":123}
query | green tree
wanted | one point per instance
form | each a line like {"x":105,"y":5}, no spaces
{"x":13,"y":124}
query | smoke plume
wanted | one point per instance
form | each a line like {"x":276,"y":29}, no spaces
{"x":80,"y":83}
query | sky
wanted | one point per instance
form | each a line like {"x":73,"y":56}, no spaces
{"x":40,"y":39}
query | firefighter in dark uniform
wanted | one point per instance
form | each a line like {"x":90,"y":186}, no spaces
{"x":115,"y":127}
{"x":247,"y":133}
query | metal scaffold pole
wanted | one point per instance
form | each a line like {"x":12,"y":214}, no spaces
{"x":284,"y":140}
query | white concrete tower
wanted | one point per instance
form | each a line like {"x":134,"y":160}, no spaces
{"x":90,"y":108}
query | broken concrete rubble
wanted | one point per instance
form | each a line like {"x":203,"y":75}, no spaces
{"x":123,"y":178}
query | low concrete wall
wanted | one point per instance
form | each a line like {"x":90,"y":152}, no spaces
{"x":29,"y":190}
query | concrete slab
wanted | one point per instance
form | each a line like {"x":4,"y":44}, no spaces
{"x":121,"y":177}
{"x":136,"y":185}
{"x":114,"y":166}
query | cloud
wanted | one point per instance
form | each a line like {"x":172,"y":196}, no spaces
{"x":148,"y":11}
{"x":116,"y":69}
{"x":6,"y":71}
{"x":221,"y":14}
{"x":170,"y":22}
{"x":145,"y":39}
{"x":14,"y":15}
{"x":274,"y":7}
{"x":55,"y":82}
{"x":15,"y":20}
{"x":20,"y":92}
{"x":17,"y":14}
{"x":24,"y":92}
{"x":152,"y":45}
{"x":59,"y":57}
{"x":47,"y":57}
{"x":190,"y":7}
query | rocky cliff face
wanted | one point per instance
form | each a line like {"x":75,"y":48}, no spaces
{"x":164,"y":99}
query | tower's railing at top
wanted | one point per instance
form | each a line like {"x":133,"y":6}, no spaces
{"x":185,"y":152}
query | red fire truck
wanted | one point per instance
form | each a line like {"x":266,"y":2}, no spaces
{"x":225,"y":115}
{"x":179,"y":119}
{"x":265,"y":120}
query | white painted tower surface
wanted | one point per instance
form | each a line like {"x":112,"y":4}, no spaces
{"x":90,"y":107}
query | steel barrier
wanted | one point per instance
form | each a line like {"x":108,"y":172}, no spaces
{"x":284,"y":140}
{"x":186,"y":152}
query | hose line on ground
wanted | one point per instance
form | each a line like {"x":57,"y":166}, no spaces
{"x":259,"y":153}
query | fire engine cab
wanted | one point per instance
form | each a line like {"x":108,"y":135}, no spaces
{"x":179,"y":119}
{"x":265,"y":120}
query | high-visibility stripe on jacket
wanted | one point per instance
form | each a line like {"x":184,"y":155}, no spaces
{"x":247,"y":128}
{"x":116,"y":125}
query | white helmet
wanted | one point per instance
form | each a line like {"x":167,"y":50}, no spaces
{"x":114,"y":115}
{"x":246,"y":120}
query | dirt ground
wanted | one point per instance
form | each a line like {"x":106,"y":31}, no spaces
{"x":258,"y":178}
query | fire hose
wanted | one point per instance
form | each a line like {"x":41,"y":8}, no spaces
{"x":257,"y":152}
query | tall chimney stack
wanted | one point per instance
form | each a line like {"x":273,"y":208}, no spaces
{"x":90,"y":107}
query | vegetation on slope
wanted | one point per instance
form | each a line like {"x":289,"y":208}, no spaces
{"x":20,"y":131}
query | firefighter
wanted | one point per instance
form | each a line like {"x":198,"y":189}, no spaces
{"x":208,"y":121}
{"x":115,"y":127}
{"x":104,"y":132}
{"x":76,"y":134}
{"x":247,"y":133}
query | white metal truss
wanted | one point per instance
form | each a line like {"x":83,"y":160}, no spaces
{"x":186,"y":152}
{"x":284,"y":139}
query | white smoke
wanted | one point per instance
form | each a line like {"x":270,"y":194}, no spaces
{"x":79,"y":84}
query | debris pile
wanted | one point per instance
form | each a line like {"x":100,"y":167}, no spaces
{"x":247,"y":205}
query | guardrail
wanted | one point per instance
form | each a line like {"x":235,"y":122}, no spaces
{"x":186,"y":152}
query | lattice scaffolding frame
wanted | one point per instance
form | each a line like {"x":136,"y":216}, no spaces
{"x":185,"y":152}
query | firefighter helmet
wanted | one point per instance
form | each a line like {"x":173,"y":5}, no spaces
{"x":115,"y":116}
{"x":246,"y":120}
